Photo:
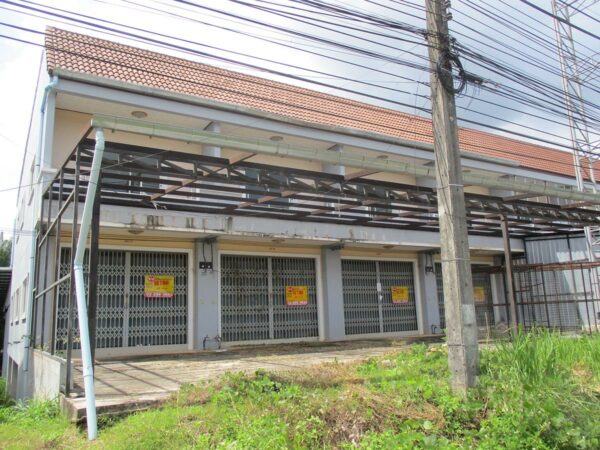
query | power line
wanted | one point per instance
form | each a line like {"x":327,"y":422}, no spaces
{"x":527,"y":58}
{"x":200,"y":6}
{"x":557,"y":102}
{"x":285,"y":74}
{"x":486,"y":125}
{"x":512,"y":154}
{"x":581,"y":11}
{"x":560,"y":19}
{"x":525,"y":29}
{"x":490,"y":126}
{"x":521,"y":55}
{"x":506,"y":107}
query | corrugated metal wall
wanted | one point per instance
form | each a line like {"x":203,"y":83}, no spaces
{"x":554,"y":298}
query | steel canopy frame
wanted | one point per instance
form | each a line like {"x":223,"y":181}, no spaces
{"x":137,"y":176}
{"x":168,"y":180}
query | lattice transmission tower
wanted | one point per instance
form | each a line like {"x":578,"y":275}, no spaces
{"x":575,"y":73}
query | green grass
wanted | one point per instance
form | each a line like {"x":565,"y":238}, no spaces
{"x":541,"y":391}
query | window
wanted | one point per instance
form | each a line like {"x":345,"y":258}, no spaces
{"x":31,"y":182}
{"x":15,"y":305}
{"x":12,"y":308}
{"x":24,"y":295}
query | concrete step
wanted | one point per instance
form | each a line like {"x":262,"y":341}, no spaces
{"x":74,"y":408}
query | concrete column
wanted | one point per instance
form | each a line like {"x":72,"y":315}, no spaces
{"x":501,"y":193}
{"x":333,"y":301}
{"x":336,"y":169}
{"x":211,"y":150}
{"x":426,"y":182}
{"x":429,"y":300}
{"x":207,"y":293}
{"x":47,"y":132}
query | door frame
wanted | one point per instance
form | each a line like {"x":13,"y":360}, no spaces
{"x":418,"y":298}
{"x":318,"y":292}
{"x":153,"y":349}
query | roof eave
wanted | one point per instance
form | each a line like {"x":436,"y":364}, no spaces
{"x":229,"y":107}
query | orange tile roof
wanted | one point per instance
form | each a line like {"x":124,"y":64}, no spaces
{"x":86,"y":54}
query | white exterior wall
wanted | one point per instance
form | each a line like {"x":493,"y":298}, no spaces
{"x":40,"y":134}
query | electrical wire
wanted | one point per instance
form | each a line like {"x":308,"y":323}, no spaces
{"x":506,"y":107}
{"x":511,"y":154}
{"x":560,"y":19}
{"x":538,"y":106}
{"x":261,"y":83}
{"x":504,"y":130}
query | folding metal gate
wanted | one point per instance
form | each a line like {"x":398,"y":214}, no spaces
{"x":482,"y":290}
{"x":254,"y":306}
{"x":156,"y":321}
{"x":369,"y":303}
{"x":125,"y":317}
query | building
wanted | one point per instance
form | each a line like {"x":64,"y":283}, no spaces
{"x":234,"y":209}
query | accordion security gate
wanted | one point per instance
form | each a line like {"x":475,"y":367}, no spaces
{"x":368,"y":304}
{"x":125,"y":317}
{"x":253,"y":298}
{"x":484,"y":308}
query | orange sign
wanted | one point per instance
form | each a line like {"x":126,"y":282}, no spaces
{"x":159,"y":286}
{"x":479,"y":294}
{"x":296,"y":295}
{"x":399,"y":295}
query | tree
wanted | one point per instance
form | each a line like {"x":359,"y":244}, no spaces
{"x":5,"y":253}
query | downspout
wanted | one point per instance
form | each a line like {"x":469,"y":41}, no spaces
{"x":37,"y":178}
{"x":80,"y":291}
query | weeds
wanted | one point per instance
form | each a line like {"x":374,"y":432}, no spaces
{"x":30,"y":411}
{"x":537,"y":393}
{"x":5,"y":399}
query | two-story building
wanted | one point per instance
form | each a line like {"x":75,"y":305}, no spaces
{"x":237,"y":209}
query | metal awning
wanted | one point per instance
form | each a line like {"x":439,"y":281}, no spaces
{"x":176,"y":181}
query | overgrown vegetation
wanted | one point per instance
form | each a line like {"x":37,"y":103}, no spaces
{"x":542,"y":391}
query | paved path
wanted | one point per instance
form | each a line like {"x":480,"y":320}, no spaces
{"x":136,"y":383}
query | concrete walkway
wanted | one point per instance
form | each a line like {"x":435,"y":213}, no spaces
{"x":124,"y":385}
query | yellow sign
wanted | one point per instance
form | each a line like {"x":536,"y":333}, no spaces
{"x":159,"y":286}
{"x":399,"y":295}
{"x":296,"y":295}
{"x":479,"y":294}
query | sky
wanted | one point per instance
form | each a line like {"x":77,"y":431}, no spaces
{"x":472,"y":21}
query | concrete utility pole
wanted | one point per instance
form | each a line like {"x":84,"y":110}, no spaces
{"x":461,"y":327}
